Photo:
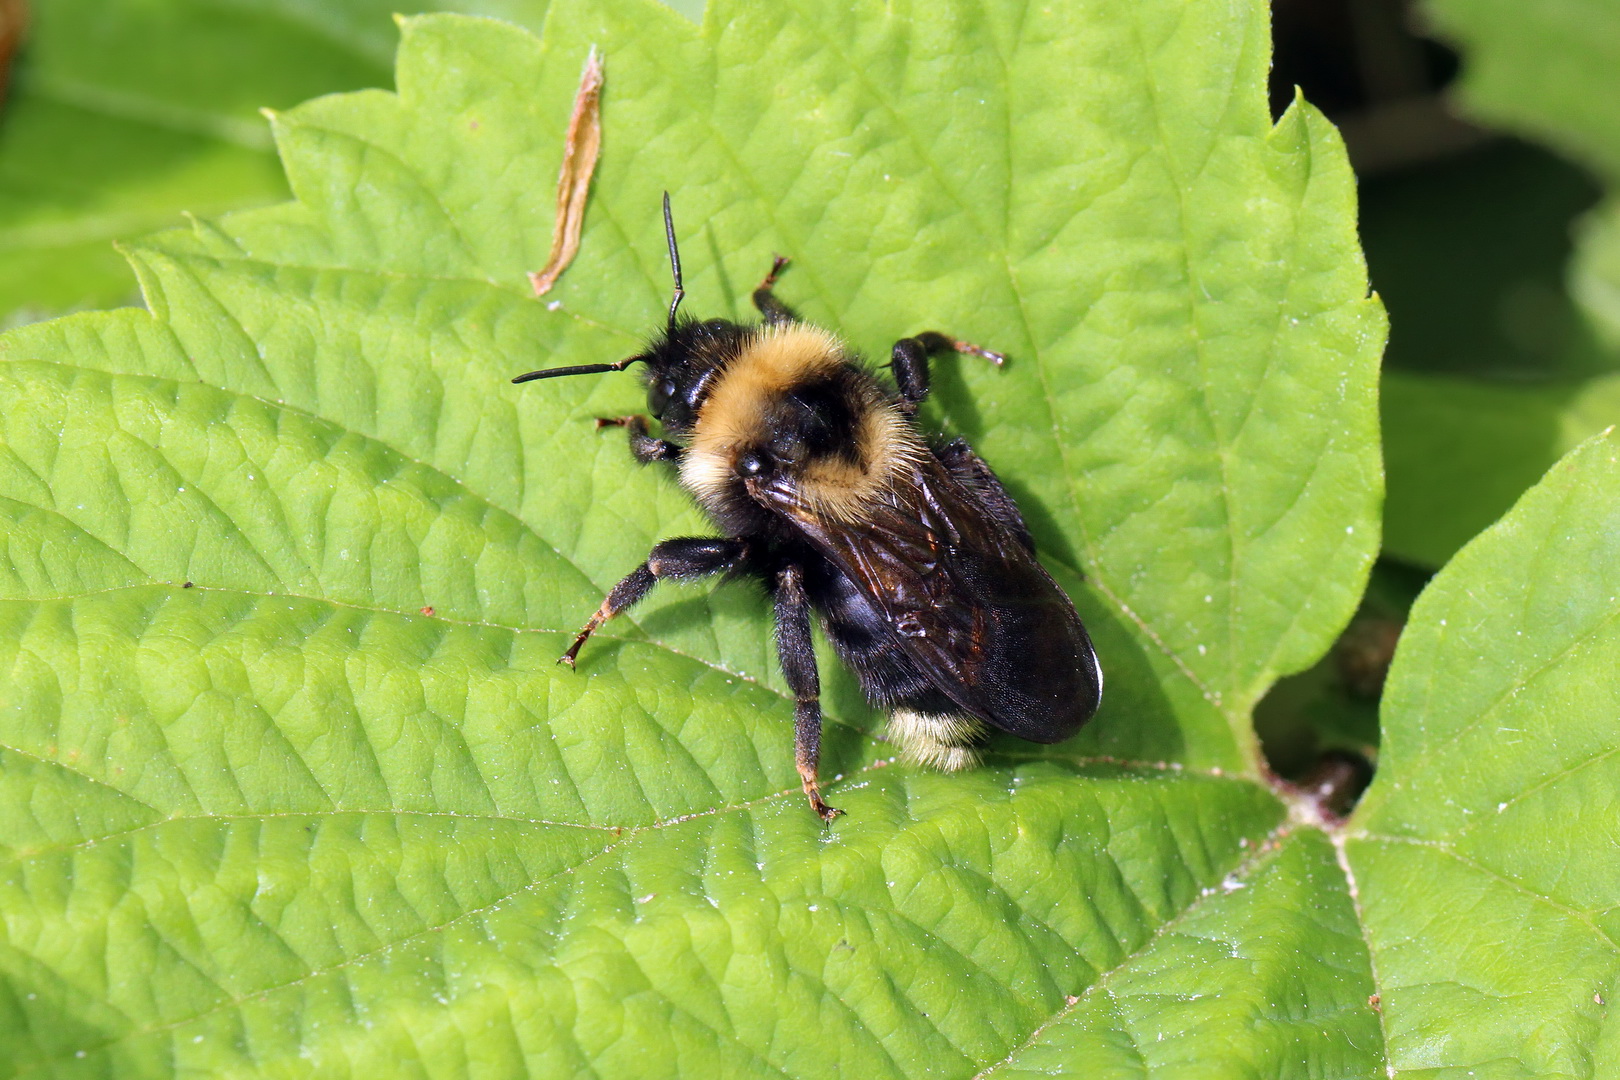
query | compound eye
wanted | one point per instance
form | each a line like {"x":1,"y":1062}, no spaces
{"x":659,"y":395}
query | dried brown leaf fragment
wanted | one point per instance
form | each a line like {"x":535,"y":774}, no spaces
{"x":13,"y":21}
{"x":580,"y":149}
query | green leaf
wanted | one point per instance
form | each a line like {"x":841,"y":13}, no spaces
{"x":1594,"y":277}
{"x":1459,"y":452}
{"x":1541,"y":70}
{"x":1148,"y":435}
{"x":1252,"y":1000}
{"x":127,"y":113}
{"x":1483,"y":853}
{"x":292,"y":781}
{"x":1472,"y":257}
{"x":1552,"y":73}
{"x":1469,"y":255}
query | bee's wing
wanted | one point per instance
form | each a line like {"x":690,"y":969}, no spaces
{"x":966,"y":599}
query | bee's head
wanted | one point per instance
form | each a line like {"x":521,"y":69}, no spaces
{"x":682,"y":366}
{"x":681,"y":361}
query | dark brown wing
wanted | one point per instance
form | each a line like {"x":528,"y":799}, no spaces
{"x":965,"y":598}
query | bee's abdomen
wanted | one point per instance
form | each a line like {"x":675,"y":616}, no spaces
{"x":863,"y":640}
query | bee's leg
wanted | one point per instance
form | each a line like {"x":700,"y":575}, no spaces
{"x":774,"y":310}
{"x":643,"y":446}
{"x":799,"y":666}
{"x":684,"y":558}
{"x":909,"y":361}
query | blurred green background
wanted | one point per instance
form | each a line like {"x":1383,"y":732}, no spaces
{"x":124,"y":115}
{"x":1493,"y":368}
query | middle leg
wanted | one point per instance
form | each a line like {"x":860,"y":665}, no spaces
{"x":798,"y":658}
{"x":909,"y":362}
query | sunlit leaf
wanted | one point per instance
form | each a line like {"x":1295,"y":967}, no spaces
{"x":1485,"y":853}
{"x":293,"y":782}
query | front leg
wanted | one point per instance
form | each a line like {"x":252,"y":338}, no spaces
{"x":643,"y":446}
{"x":909,"y":361}
{"x":776,"y":313}
{"x":685,"y":558}
{"x":798,"y":658}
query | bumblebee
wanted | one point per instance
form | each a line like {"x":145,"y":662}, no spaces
{"x":911,"y":552}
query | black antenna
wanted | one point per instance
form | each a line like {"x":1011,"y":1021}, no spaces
{"x":674,"y":305}
{"x":674,"y":263}
{"x":580,"y":369}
